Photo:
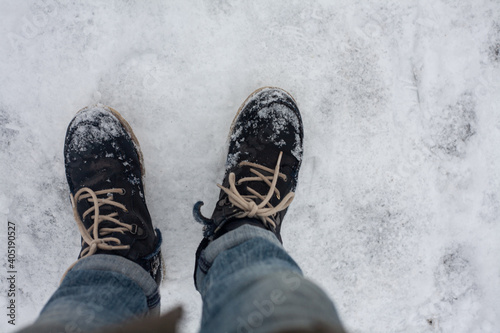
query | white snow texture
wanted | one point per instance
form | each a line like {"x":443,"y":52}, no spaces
{"x":397,"y":209}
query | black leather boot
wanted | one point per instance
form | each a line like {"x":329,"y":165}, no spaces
{"x":104,"y":169}
{"x":262,"y":166}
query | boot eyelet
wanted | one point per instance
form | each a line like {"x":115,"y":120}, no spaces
{"x":123,"y":191}
{"x":133,"y":231}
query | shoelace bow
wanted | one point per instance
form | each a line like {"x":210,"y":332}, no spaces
{"x":91,"y":236}
{"x":246,"y":203}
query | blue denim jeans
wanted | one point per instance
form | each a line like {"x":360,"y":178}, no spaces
{"x":250,"y":284}
{"x":247,"y":281}
{"x":99,"y":290}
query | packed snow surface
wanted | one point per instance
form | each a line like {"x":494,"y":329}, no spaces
{"x":397,"y":212}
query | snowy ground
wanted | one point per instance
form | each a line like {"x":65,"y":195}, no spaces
{"x":397,"y":211}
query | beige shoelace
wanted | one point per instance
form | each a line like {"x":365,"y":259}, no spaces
{"x":91,"y":236}
{"x":246,"y":203}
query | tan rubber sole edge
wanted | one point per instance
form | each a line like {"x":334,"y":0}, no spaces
{"x":248,"y":99}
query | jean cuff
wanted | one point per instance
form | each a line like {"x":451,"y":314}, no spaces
{"x":128,"y":268}
{"x":227,"y":241}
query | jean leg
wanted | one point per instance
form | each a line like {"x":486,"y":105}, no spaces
{"x":99,"y":290}
{"x":249,"y":283}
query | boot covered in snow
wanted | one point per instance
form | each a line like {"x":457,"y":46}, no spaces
{"x":262,"y":166}
{"x":104,"y":169}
